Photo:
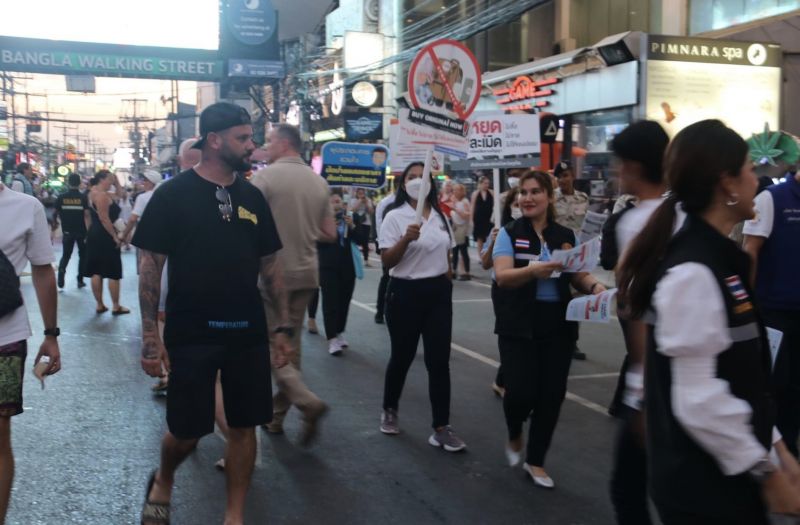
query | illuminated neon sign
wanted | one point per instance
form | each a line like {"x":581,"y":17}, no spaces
{"x":527,"y":91}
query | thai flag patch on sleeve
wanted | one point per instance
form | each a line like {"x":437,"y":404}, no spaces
{"x":736,"y":287}
{"x":523,"y":244}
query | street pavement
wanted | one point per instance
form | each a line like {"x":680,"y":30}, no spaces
{"x":87,"y":442}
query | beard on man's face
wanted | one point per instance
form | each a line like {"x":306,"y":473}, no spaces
{"x":239,"y":163}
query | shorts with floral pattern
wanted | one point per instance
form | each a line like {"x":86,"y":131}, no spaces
{"x":12,"y":366}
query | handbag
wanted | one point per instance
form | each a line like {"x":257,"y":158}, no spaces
{"x":10,"y":294}
{"x":358,"y":263}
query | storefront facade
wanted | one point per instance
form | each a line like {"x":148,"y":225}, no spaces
{"x":598,"y":90}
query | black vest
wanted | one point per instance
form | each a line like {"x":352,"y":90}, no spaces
{"x":683,"y":476}
{"x":517,"y":312}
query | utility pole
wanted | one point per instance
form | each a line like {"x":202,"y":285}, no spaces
{"x":133,"y":115}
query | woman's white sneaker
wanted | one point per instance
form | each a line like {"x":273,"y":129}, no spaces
{"x":334,"y":348}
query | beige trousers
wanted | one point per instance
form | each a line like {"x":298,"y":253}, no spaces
{"x":291,"y":388}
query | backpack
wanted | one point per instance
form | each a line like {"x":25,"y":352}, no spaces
{"x":609,"y":251}
{"x":10,"y":294}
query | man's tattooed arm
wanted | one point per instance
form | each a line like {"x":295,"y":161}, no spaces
{"x":150,"y":266}
{"x":274,"y":286}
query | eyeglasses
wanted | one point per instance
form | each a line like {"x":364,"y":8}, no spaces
{"x":225,"y":205}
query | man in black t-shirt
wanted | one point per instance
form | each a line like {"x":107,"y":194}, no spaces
{"x":72,"y":207}
{"x":219,"y":235}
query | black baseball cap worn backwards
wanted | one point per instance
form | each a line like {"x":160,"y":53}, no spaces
{"x":219,"y":117}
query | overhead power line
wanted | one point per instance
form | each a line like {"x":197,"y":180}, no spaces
{"x":118,"y":121}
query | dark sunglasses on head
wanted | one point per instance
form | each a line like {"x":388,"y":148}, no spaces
{"x":225,"y":205}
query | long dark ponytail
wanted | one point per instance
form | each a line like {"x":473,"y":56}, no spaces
{"x":695,"y":162}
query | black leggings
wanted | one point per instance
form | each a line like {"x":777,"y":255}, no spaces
{"x":535,"y":374}
{"x":461,"y":248}
{"x":414,"y":308}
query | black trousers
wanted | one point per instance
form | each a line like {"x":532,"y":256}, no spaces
{"x":629,"y":474}
{"x":535,"y":374}
{"x":69,"y":241}
{"x":382,"y":285}
{"x":337,"y":286}
{"x":786,"y":375}
{"x":363,"y":234}
{"x":462,"y":249}
{"x":313,"y":304}
{"x":414,"y":308}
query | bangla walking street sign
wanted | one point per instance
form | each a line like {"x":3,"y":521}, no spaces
{"x":71,"y":58}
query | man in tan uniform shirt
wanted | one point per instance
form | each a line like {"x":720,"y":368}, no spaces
{"x":298,"y":198}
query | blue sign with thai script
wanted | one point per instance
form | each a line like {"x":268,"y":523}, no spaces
{"x":351,"y":164}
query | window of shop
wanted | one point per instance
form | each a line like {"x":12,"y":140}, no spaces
{"x":708,"y":15}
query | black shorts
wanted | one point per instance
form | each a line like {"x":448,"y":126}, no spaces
{"x":246,"y":387}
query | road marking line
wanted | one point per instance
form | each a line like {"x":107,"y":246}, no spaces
{"x":591,"y":405}
{"x":595,"y":376}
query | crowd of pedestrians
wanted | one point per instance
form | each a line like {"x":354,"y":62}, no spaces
{"x":708,"y":427}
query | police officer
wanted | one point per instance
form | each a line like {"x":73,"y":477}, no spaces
{"x":535,"y":339}
{"x":72,"y":208}
{"x":714,"y":455}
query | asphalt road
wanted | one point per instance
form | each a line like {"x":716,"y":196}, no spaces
{"x":86,"y":443}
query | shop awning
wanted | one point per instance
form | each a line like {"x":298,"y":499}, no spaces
{"x":530,"y":68}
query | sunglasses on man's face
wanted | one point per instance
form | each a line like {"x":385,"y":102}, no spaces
{"x":225,"y":205}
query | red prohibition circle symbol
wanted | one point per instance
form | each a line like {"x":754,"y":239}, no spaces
{"x":429,"y":50}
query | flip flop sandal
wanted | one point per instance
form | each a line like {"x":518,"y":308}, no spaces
{"x":121,"y":311}
{"x":101,"y":310}
{"x":153,"y":512}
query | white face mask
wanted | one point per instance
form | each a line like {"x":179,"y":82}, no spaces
{"x":412,"y":188}
{"x":516,"y":213}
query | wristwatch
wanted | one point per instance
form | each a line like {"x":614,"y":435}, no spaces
{"x":55,"y":332}
{"x":288,"y":330}
{"x":761,"y":470}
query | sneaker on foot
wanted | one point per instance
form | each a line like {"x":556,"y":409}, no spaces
{"x":447,"y":439}
{"x":389,"y":423}
{"x":81,"y":284}
{"x":61,"y":279}
{"x":334,"y":348}
{"x":342,"y":341}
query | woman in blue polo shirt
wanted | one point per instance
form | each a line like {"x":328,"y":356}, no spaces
{"x":535,"y":339}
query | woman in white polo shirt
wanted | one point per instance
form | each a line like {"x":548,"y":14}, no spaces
{"x":419,"y":302}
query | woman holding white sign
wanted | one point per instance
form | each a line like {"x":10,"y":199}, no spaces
{"x":419,"y":302}
{"x":535,"y":339}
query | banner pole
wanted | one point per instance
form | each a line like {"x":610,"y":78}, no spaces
{"x":426,"y":185}
{"x":497,"y":204}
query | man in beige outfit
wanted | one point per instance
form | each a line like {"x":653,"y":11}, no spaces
{"x":298,"y":198}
